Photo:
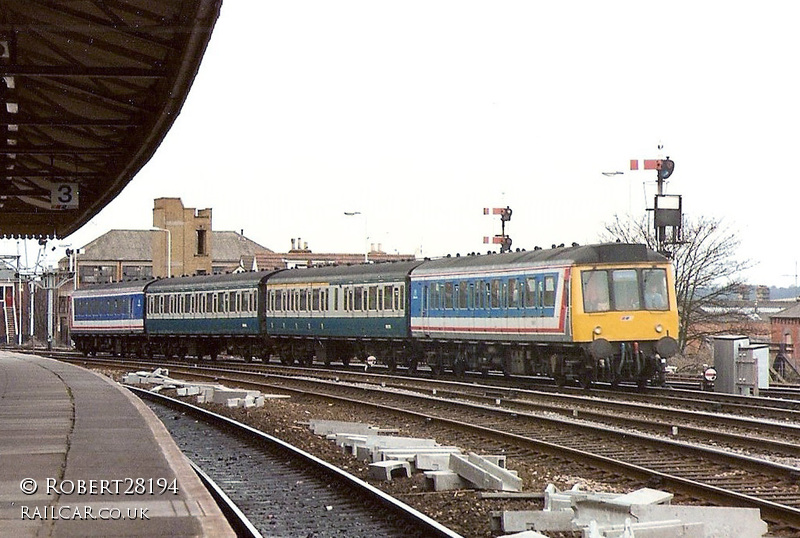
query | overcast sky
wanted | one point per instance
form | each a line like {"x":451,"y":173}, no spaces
{"x":419,"y":114}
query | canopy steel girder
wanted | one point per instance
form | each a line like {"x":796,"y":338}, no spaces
{"x":88,"y":90}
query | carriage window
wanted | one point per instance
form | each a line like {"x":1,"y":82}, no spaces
{"x":513,"y":293}
{"x":625,"y":286}
{"x":463,"y":294}
{"x":530,"y":292}
{"x":655,"y":289}
{"x":386,"y":299}
{"x":448,"y":295}
{"x":358,"y":298}
{"x":315,"y":300}
{"x":372,"y":298}
{"x":434,"y":303}
{"x":495,"y":293}
{"x":595,"y":291}
{"x":397,"y":299}
{"x":549,"y":298}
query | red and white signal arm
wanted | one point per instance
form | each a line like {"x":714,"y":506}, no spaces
{"x":64,"y":195}
{"x":710,"y":374}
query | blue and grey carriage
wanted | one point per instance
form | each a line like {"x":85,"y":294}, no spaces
{"x":338,"y":313}
{"x":207,"y":315}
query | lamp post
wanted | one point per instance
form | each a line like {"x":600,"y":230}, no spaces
{"x":169,"y":249}
{"x":618,"y":173}
{"x":366,"y":237}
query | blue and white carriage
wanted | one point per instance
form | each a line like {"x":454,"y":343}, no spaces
{"x":109,"y":318}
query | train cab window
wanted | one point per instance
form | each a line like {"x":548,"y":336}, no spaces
{"x":595,"y":291}
{"x":654,"y":282}
{"x":625,"y":289}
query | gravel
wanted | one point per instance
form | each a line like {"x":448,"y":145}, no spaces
{"x":462,"y":511}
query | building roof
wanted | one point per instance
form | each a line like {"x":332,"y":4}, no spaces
{"x":120,"y":245}
{"x":232,"y":246}
{"x":294,"y":258}
{"x":137,"y":245}
{"x":793,"y":312}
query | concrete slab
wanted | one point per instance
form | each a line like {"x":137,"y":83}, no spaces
{"x":484,"y":474}
{"x":717,"y":520}
{"x":386,"y":470}
{"x":538,"y":520}
{"x":327,"y":427}
{"x":446,"y":480}
{"x":643,"y":496}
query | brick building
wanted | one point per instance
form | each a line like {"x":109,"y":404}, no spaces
{"x":785,"y":333}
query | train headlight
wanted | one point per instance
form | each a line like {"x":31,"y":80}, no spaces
{"x":598,"y":331}
{"x":659,"y":328}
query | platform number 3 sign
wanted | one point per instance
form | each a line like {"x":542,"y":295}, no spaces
{"x":64,"y":195}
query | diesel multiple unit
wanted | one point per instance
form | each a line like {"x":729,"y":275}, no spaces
{"x":603,"y":312}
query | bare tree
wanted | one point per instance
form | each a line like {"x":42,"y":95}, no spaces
{"x":707,"y":273}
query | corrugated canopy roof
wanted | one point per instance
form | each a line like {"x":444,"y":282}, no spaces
{"x":88,"y":90}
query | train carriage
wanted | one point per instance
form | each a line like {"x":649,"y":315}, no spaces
{"x":340,"y":312}
{"x":109,"y":318}
{"x":208,"y":315}
{"x":525,"y":312}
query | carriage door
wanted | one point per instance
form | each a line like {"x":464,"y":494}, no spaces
{"x":425,"y":302}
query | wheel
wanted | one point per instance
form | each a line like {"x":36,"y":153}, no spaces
{"x":459,"y":367}
{"x":585,"y":378}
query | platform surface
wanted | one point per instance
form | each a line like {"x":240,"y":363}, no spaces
{"x":99,"y":460}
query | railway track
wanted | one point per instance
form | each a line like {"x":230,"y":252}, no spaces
{"x":281,"y":490}
{"x":707,"y":474}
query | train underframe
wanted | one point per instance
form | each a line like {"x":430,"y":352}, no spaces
{"x":636,"y":362}
{"x":171,"y":346}
{"x":627,"y":362}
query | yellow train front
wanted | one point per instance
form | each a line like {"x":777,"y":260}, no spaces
{"x":624,"y":317}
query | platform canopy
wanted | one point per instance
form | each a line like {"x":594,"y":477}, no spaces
{"x":89,"y":89}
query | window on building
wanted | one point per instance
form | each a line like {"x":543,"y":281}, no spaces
{"x":202,"y":249}
{"x":130,"y":272}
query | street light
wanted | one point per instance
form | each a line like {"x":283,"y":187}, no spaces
{"x":169,"y":249}
{"x":618,"y":173}
{"x":366,"y":237}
